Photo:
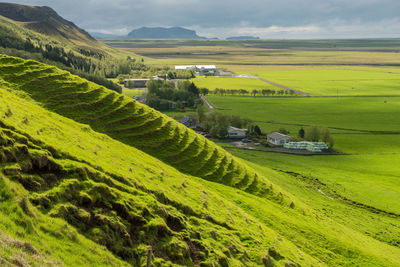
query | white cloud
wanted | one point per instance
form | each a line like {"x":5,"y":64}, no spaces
{"x":264,"y":18}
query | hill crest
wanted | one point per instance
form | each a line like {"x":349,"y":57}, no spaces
{"x":44,"y":20}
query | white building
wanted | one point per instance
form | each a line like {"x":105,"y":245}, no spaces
{"x":236,"y":132}
{"x":277,"y":139}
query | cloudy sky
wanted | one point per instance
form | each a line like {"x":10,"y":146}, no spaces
{"x":222,"y":18}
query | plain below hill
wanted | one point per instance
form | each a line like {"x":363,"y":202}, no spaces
{"x":163,"y":33}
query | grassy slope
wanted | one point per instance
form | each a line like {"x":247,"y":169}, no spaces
{"x":130,"y":122}
{"x":116,"y":199}
{"x":126,"y":200}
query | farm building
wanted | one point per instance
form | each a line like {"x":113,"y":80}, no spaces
{"x":277,"y":139}
{"x":199,"y":69}
{"x":236,"y":132}
{"x":135,"y":83}
{"x":310,"y":146}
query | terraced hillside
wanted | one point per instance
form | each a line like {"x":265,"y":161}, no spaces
{"x":75,"y":197}
{"x":116,"y":196}
{"x":134,"y":124}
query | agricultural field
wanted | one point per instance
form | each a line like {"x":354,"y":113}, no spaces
{"x":233,"y":83}
{"x":336,"y":80}
{"x":258,"y":54}
{"x":132,"y":92}
{"x":320,"y":67}
{"x":366,"y":132}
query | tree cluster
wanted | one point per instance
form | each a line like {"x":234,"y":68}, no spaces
{"x":217,"y":123}
{"x":181,"y":74}
{"x":317,"y":134}
{"x":164,"y":95}
{"x":254,"y":92}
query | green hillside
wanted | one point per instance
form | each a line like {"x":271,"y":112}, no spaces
{"x":91,"y":178}
{"x":133,"y":123}
{"x":39,"y":33}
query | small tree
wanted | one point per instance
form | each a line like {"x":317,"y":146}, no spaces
{"x":257,"y":130}
{"x":283,"y":131}
{"x":301,"y":133}
{"x":331,"y":142}
{"x":201,"y":112}
{"x":325,"y":135}
{"x":312,"y":133}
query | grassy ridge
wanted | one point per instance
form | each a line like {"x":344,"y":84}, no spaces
{"x":131,"y":122}
{"x":115,"y":199}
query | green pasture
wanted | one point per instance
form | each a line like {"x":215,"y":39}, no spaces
{"x":337,"y":81}
{"x":232,"y":83}
{"x":367,"y":129}
{"x":352,"y":115}
{"x":132,"y":92}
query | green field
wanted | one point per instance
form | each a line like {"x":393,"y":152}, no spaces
{"x":233,"y":83}
{"x":319,"y":67}
{"x":336,"y":81}
{"x":365,"y":128}
{"x":354,"y":121}
{"x":132,"y":92}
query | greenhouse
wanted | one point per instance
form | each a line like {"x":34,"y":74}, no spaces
{"x":305,"y":145}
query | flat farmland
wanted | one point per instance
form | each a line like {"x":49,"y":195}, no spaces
{"x":336,"y":80}
{"x":365,"y":129}
{"x":319,"y":67}
{"x":257,"y":54}
{"x":358,"y":124}
{"x":232,"y":83}
{"x":250,"y":58}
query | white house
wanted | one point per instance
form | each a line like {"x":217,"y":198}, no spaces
{"x":236,"y":132}
{"x":277,"y":139}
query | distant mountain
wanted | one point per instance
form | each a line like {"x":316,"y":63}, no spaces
{"x":163,"y":33}
{"x":99,"y":35}
{"x":44,"y":20}
{"x":243,"y":38}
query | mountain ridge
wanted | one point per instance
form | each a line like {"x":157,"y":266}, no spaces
{"x":163,"y":33}
{"x":44,"y":20}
